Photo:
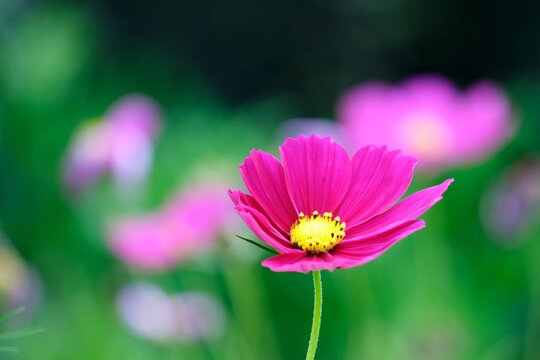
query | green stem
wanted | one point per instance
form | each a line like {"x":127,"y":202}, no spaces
{"x":317,"y":313}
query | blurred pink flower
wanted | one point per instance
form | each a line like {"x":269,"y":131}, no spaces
{"x":121,"y":143}
{"x":157,"y":316}
{"x":321,"y":211}
{"x":144,"y":241}
{"x":428,"y":118}
{"x":188,"y":224}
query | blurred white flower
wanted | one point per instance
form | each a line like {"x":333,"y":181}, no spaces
{"x":152,"y":314}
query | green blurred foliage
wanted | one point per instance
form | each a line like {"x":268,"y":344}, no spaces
{"x":226,"y":75}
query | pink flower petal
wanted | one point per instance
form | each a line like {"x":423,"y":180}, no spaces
{"x":263,"y":175}
{"x":305,"y":262}
{"x":239,"y":198}
{"x":135,"y":111}
{"x":408,"y":209}
{"x":258,"y":223}
{"x":363,"y":250}
{"x":379,"y":179}
{"x":317,"y":172}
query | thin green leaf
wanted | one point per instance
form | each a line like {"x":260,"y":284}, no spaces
{"x":253,"y":242}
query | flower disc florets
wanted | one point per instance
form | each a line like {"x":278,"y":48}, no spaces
{"x":317,"y":234}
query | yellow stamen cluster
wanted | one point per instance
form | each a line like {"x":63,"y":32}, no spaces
{"x":317,"y":234}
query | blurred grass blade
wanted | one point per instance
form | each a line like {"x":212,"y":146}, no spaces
{"x":8,"y":349}
{"x":253,"y":242}
{"x":12,"y":314}
{"x":16,"y":334}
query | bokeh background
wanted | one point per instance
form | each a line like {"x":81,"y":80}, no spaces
{"x":225,"y":77}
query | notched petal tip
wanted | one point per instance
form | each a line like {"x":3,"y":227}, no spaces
{"x":445,"y":185}
{"x":291,"y":141}
{"x":234,"y":195}
{"x":317,"y":172}
{"x":239,"y":197}
{"x":397,"y":153}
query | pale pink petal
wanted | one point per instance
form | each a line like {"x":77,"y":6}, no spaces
{"x":305,"y":262}
{"x":135,"y":111}
{"x":87,"y":158}
{"x":379,"y":179}
{"x":365,"y":249}
{"x":408,"y":209}
{"x":317,"y":171}
{"x":263,"y":175}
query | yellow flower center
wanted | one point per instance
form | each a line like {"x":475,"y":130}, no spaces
{"x":317,"y":234}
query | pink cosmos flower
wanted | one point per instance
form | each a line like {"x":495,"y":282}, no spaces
{"x":121,"y":143}
{"x":428,"y":118}
{"x":188,"y":224}
{"x":321,"y":210}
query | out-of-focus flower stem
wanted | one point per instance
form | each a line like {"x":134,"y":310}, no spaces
{"x":317,"y":313}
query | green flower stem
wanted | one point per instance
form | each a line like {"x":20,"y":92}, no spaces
{"x":317,"y":313}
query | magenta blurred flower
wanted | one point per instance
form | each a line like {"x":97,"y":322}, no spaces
{"x":121,"y":143}
{"x":428,"y":118}
{"x":512,"y":204}
{"x":188,"y":224}
{"x":320,"y":210}
{"x":157,"y":316}
{"x":144,"y":241}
